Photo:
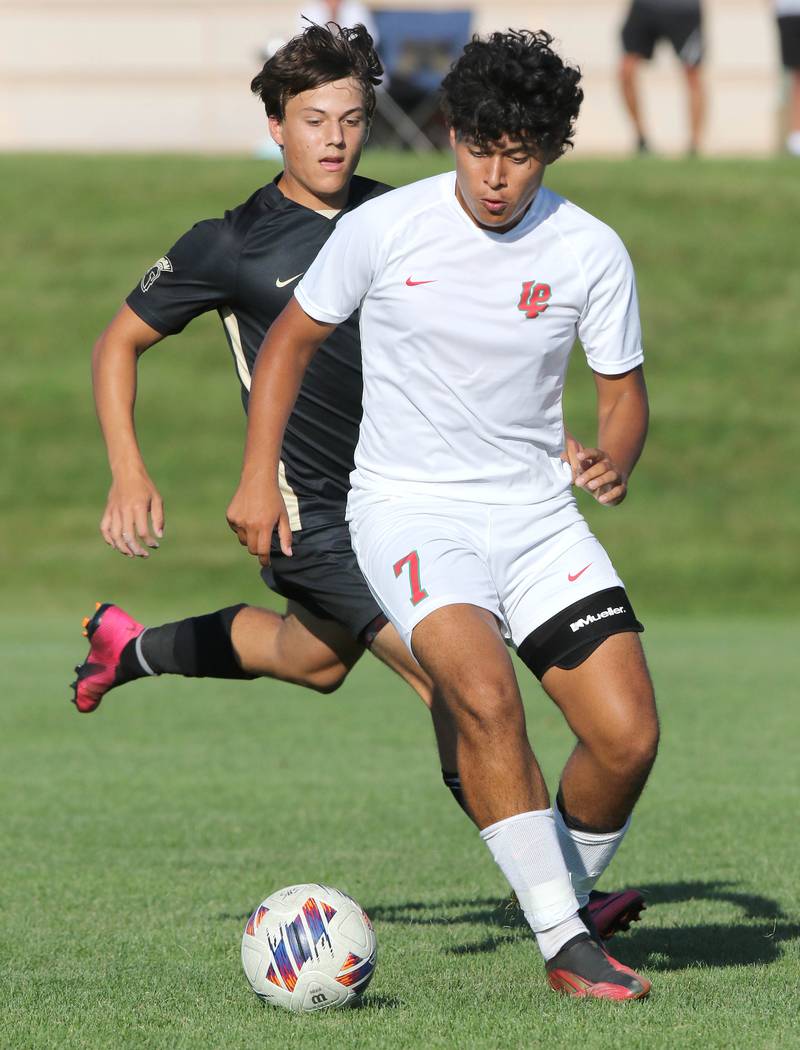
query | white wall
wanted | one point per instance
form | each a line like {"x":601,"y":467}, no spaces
{"x":174,"y":74}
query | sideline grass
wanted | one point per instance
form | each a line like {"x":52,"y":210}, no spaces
{"x":136,"y":840}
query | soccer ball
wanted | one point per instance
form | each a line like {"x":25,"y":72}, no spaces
{"x":309,"y":947}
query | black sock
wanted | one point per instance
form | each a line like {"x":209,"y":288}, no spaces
{"x":453,"y":781}
{"x":198,"y":647}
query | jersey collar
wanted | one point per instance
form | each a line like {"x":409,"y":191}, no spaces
{"x":275,"y":200}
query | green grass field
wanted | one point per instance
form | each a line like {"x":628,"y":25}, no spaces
{"x":135,"y":842}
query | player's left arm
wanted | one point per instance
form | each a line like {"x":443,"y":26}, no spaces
{"x":622,"y":420}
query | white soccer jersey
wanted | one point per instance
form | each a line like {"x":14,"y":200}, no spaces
{"x":466,"y":335}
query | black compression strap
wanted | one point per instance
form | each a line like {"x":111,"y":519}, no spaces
{"x":372,"y":630}
{"x":572,"y":635}
{"x":453,"y":782}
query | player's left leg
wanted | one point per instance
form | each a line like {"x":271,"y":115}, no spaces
{"x":789,"y":30}
{"x":685,"y":31}
{"x":608,"y":703}
{"x":575,"y":629}
{"x":793,"y":138}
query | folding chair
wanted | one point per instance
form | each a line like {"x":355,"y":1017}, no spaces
{"x":417,"y":49}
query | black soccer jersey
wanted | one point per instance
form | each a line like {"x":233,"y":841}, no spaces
{"x":246,"y":266}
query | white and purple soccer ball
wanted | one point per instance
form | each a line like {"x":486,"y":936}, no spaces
{"x":309,"y":947}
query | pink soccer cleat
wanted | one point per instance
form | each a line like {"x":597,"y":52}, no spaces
{"x":612,"y":912}
{"x":108,"y":631}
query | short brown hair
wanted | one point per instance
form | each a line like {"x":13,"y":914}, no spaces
{"x":317,"y":56}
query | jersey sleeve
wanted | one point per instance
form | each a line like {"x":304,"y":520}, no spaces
{"x":196,"y":275}
{"x":341,"y":275}
{"x":609,"y":328}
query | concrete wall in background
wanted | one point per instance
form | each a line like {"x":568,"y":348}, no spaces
{"x":161,"y":75}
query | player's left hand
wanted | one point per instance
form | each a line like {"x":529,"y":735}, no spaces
{"x":600,"y":477}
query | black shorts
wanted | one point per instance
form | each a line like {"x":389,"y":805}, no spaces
{"x":324,"y":577}
{"x":649,"y":22}
{"x":789,"y":29}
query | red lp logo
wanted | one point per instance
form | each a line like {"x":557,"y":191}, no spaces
{"x":534,"y":298}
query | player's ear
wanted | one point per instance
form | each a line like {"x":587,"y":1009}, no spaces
{"x":276,"y":130}
{"x":453,"y":138}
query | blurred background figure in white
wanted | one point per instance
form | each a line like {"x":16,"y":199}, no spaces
{"x":788,"y":13}
{"x":345,"y":13}
{"x":648,"y":22}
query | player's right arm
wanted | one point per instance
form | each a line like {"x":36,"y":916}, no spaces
{"x":134,"y":513}
{"x":257,"y":508}
{"x":332,"y":288}
{"x":198,"y":274}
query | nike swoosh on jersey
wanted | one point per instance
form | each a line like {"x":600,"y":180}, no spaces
{"x":413,"y":284}
{"x":282,"y":284}
{"x":572,"y":578}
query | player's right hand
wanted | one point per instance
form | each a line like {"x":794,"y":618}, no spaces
{"x":254,"y":513}
{"x":134,"y":515}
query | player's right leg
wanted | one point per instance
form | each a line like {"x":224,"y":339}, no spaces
{"x":639,"y":35}
{"x":241,"y":642}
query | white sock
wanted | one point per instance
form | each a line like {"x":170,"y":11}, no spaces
{"x":526,"y":849}
{"x":793,"y":143}
{"x":587,"y":854}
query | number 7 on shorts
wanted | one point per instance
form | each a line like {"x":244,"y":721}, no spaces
{"x":418,"y":593}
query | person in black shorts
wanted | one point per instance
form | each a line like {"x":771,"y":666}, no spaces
{"x":788,"y":14}
{"x":648,"y":22}
{"x":318,"y":91}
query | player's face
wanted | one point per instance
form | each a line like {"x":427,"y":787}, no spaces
{"x":495,"y":185}
{"x":322,"y":134}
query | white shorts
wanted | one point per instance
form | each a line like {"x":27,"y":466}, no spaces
{"x":522,"y":563}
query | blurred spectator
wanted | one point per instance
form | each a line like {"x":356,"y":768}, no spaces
{"x":788,"y":12}
{"x":343,"y":12}
{"x":648,"y":22}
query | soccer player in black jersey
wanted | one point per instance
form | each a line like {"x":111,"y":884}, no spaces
{"x":319,"y":97}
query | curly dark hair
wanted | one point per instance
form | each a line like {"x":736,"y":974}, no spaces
{"x":513,"y":84}
{"x":317,"y":56}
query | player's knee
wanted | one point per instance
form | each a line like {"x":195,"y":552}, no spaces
{"x":325,"y":680}
{"x":628,"y":66}
{"x":488,"y":708}
{"x":632,"y":750}
{"x":642,"y":751}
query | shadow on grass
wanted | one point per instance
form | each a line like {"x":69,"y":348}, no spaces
{"x":756,"y":939}
{"x":378,"y":1002}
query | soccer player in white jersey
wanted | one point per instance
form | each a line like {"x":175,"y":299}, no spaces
{"x":472,"y":287}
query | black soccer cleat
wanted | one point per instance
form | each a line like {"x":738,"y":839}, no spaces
{"x":583,"y":969}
